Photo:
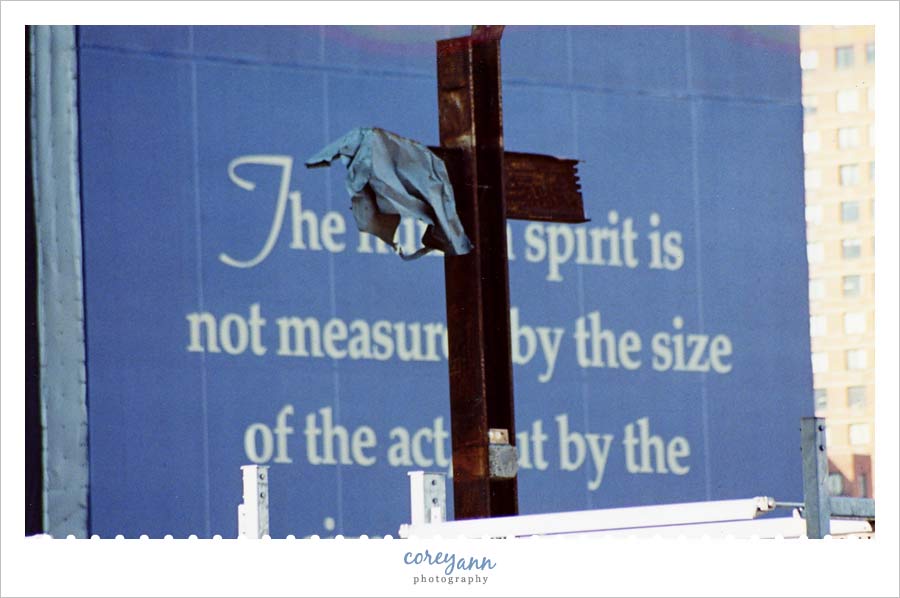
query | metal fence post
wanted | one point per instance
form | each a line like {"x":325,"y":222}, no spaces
{"x":253,"y":514}
{"x":427,"y":497}
{"x":817,"y":510}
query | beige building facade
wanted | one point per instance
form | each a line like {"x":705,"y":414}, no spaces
{"x":838,"y":65}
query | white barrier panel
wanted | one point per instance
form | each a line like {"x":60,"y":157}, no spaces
{"x":712,"y":518}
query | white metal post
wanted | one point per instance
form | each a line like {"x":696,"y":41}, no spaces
{"x":427,"y":497}
{"x":253,"y":514}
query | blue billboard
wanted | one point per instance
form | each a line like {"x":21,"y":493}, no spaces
{"x":235,"y":315}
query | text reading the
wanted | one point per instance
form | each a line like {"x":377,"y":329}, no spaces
{"x":615,"y":244}
{"x":323,"y":441}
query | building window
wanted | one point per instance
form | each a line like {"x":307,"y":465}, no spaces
{"x":835,"y":484}
{"x":811,"y":142}
{"x":872,"y":171}
{"x":809,"y":60}
{"x":812,"y":179}
{"x":856,"y":397}
{"x":848,"y":175}
{"x":851,"y":249}
{"x":820,"y":397}
{"x":863,"y":481}
{"x":849,"y":211}
{"x":852,"y":285}
{"x":871,"y":98}
{"x":843,"y":57}
{"x":848,"y":137}
{"x":815,"y":253}
{"x":854,"y":322}
{"x":871,"y":135}
{"x":859,"y":434}
{"x":810,"y":105}
{"x":819,"y":362}
{"x":814,"y":214}
{"x":818,"y":326}
{"x":816,"y":289}
{"x":870,"y":52}
{"x":856,"y":359}
{"x":847,"y":100}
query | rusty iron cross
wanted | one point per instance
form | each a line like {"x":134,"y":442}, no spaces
{"x":490,"y":185}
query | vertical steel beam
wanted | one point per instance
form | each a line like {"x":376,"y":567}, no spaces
{"x":817,"y":509}
{"x":477,"y":284}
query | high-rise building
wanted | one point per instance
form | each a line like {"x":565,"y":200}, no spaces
{"x":838,"y":65}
